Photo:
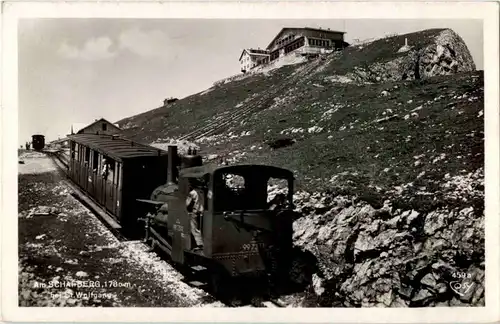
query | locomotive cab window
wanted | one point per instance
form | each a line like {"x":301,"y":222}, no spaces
{"x":239,"y":192}
{"x":278,"y":193}
{"x":234,"y":182}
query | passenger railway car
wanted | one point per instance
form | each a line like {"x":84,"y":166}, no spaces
{"x":115,"y":172}
{"x":38,"y":142}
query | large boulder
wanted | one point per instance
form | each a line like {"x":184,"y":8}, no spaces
{"x":446,"y":54}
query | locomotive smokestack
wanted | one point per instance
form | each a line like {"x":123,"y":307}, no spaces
{"x":172,"y":159}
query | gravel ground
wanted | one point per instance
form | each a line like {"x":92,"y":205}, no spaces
{"x":68,"y":258}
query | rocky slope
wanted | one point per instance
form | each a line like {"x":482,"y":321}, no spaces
{"x":395,"y":257}
{"x":387,"y":143}
{"x":446,"y":55}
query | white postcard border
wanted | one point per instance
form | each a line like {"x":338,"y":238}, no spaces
{"x":488,"y":12}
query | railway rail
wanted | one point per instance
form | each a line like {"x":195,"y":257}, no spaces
{"x":255,"y":105}
{"x":62,"y":163}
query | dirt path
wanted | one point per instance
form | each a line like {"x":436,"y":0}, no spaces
{"x":68,"y":258}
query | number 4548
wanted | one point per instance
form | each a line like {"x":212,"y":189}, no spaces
{"x":461,"y":275}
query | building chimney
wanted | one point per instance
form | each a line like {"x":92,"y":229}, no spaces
{"x":172,"y":159}
{"x":406,"y":41}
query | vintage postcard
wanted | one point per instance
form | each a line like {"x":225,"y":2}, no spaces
{"x":257,"y":162}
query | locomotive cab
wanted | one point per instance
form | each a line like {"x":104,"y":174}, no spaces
{"x":251,"y":231}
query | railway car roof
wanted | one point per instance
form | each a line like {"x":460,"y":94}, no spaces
{"x":116,"y":147}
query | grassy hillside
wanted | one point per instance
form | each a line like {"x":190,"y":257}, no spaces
{"x":218,"y":101}
{"x":377,"y":140}
{"x":418,"y":133}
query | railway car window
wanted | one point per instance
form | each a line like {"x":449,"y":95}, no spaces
{"x":73,"y":148}
{"x":99,"y":163}
{"x":87,"y":154}
{"x":95,"y":161}
{"x":108,"y":169}
{"x":115,"y":173}
{"x":111,"y":170}
{"x":77,"y":152}
{"x":117,"y":179}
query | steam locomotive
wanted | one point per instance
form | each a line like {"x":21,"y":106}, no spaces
{"x":243,"y":232}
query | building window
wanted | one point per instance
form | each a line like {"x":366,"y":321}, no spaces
{"x":104,"y":126}
{"x":294,"y":45}
{"x":319,"y":42}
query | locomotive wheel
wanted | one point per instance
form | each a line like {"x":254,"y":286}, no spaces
{"x":216,"y":282}
{"x":219,"y":284}
{"x":152,"y":245}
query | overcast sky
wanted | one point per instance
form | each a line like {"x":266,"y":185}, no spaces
{"x":78,"y":70}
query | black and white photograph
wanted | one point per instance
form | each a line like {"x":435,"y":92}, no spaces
{"x":253,"y":163}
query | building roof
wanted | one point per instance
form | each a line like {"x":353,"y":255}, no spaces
{"x":116,"y":147}
{"x":256,"y":52}
{"x":303,"y":28}
{"x":98,"y":121}
{"x":76,"y":127}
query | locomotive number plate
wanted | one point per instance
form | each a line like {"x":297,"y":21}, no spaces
{"x":252,"y":246}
